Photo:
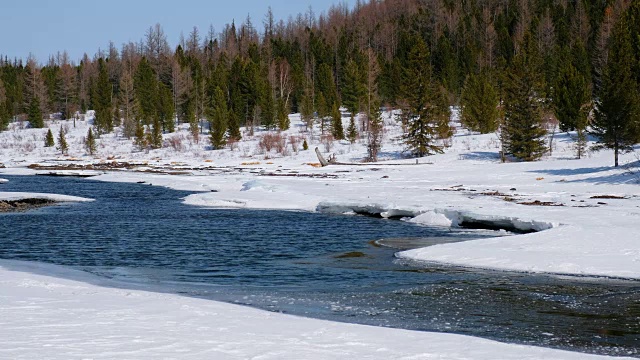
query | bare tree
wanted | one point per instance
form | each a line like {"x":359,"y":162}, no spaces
{"x":68,"y":87}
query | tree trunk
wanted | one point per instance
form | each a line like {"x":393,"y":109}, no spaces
{"x":615,"y":150}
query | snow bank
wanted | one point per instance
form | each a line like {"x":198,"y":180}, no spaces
{"x":12,"y":196}
{"x":438,"y":217}
{"x":63,"y":319}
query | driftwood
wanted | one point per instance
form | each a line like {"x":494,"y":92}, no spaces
{"x":322,"y":160}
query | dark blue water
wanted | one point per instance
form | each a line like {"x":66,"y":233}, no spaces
{"x":315,"y":265}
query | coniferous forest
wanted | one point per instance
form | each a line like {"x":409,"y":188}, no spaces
{"x":520,"y":68}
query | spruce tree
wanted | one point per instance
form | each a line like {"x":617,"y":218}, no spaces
{"x":336,"y":123}
{"x":5,"y":116}
{"x":323,"y":111}
{"x":423,"y":108}
{"x":283,"y":115}
{"x":522,"y":130}
{"x":90,"y":142}
{"x":101,"y":98}
{"x":269,"y":110}
{"x":352,"y":131}
{"x":233,"y":127}
{"x":617,"y":112}
{"x":154,"y":137}
{"x":35,"y":114}
{"x":479,"y":104}
{"x":140,"y":139}
{"x":306,"y":109}
{"x":48,"y":139}
{"x":354,"y":88}
{"x":62,"y":142}
{"x":571,"y":94}
{"x":166,"y":108}
{"x":217,"y":113}
{"x":375,"y":131}
{"x":146,"y":92}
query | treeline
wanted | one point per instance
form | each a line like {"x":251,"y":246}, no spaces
{"x":514,"y":66}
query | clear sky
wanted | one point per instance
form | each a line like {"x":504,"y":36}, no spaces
{"x":43,"y":27}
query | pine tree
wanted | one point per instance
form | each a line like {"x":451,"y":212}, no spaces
{"x":217,"y":113}
{"x":35,"y":115}
{"x":323,"y":111}
{"x":48,"y":140}
{"x":306,"y":109}
{"x":62,"y":142}
{"x":166,"y":108}
{"x":479,"y":104}
{"x":336,"y":123}
{"x":146,"y":92}
{"x":354,"y":89}
{"x":154,"y":137}
{"x":233,"y":126}
{"x":101,"y":98}
{"x":4,"y":111}
{"x":283,"y":115}
{"x":571,"y":94}
{"x":352,"y":130}
{"x":522,"y":130}
{"x":374,"y":135}
{"x":617,"y":115}
{"x":424,"y":109}
{"x":90,"y":142}
{"x":269,"y":110}
{"x":140,"y":139}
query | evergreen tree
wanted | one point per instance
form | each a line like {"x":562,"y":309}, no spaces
{"x":352,"y":130}
{"x":166,"y":108}
{"x":35,"y":115}
{"x":146,"y":91}
{"x":140,"y":140}
{"x":101,"y":98}
{"x":62,"y":142}
{"x":323,"y":111}
{"x":617,"y":115}
{"x":306,"y":109}
{"x":354,"y":89}
{"x":571,"y":94}
{"x":336,"y":123}
{"x":48,"y":140}
{"x":424,"y":109}
{"x":479,"y":104}
{"x":269,"y":110}
{"x":522,"y":130}
{"x":283,"y":115}
{"x":90,"y":142}
{"x":374,"y":135}
{"x":217,"y":114}
{"x":233,"y":126}
{"x":5,"y":116}
{"x":154,"y":137}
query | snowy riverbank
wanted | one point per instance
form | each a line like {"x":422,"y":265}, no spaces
{"x":67,"y":319}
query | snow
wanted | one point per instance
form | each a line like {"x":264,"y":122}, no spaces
{"x":12,"y":196}
{"x":54,"y":318}
{"x":584,"y":213}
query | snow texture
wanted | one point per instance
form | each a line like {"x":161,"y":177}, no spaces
{"x":53,"y":318}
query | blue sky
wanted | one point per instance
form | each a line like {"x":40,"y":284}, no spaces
{"x":43,"y":27}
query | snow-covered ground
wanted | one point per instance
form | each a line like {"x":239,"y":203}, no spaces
{"x":53,"y":318}
{"x":12,"y":196}
{"x":585,"y":211}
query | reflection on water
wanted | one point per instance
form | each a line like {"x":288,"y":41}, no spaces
{"x":332,"y":267}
